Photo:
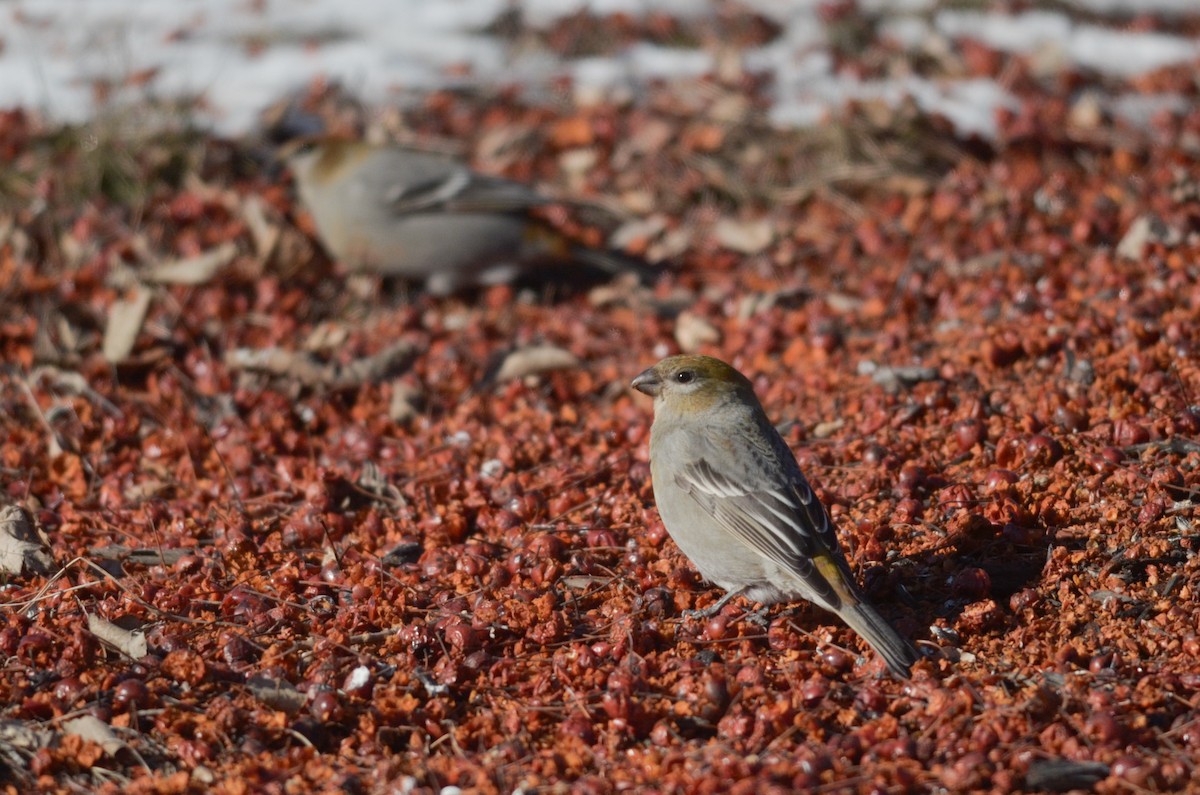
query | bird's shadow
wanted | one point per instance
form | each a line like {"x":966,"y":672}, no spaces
{"x":978,"y":562}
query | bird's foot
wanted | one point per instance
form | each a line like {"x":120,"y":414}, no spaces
{"x":758,"y":617}
{"x":713,"y":609}
{"x":705,"y":613}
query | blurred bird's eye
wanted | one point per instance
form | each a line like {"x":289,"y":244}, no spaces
{"x":685,"y":376}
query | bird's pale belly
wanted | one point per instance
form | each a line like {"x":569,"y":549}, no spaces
{"x":720,"y":557}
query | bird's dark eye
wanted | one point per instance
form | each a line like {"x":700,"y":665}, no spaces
{"x":685,"y":376}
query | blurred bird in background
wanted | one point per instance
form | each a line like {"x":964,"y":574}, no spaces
{"x":427,"y":217}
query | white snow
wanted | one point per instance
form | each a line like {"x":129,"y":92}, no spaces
{"x":1139,"y":109}
{"x":1022,"y":33}
{"x":1115,"y":52}
{"x":1108,"y":51}
{"x":1137,"y":6}
{"x":73,"y":58}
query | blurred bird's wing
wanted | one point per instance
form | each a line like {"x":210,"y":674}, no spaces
{"x":496,"y":195}
{"x":427,"y":194}
{"x":785,"y":522}
{"x":455,"y":188}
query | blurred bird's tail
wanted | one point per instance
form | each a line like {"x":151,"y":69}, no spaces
{"x":546,"y":249}
{"x":897,"y":652}
{"x":613,"y":263}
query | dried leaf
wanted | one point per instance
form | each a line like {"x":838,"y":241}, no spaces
{"x":405,"y":403}
{"x":70,"y":382}
{"x":756,"y":303}
{"x":143,"y":557}
{"x":310,"y":372}
{"x":92,"y":729}
{"x":823,"y":430}
{"x":692,"y":332}
{"x":672,"y":244}
{"x":23,"y":735}
{"x":276,"y":693}
{"x":21,"y":548}
{"x":125,"y":319}
{"x":194,"y":270}
{"x":581,"y":582}
{"x":843,"y":302}
{"x":637,"y":232}
{"x":264,"y":232}
{"x":533,"y":360}
{"x":894,"y":378}
{"x":576,"y":165}
{"x":1147,"y":229}
{"x":744,"y":236}
{"x":497,"y":148}
{"x":326,"y":336}
{"x":130,"y":642}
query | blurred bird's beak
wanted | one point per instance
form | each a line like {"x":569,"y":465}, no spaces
{"x":647,"y":382}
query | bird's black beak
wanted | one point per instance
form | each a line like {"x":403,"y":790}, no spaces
{"x":647,"y":382}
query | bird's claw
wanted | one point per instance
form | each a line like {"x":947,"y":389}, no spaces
{"x":758,"y":617}
{"x":698,"y":614}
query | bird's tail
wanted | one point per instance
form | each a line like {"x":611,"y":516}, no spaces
{"x":612,"y":263}
{"x":897,"y":652}
{"x":545,"y":249}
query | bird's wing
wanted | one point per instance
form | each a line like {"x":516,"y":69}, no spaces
{"x":460,"y":190}
{"x":431,"y":192}
{"x":783,"y":521}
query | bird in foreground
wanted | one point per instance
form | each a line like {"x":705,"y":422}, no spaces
{"x":732,"y":496}
{"x":426,"y":217}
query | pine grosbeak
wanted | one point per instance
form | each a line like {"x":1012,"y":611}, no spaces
{"x":732,"y":496}
{"x":426,"y":217}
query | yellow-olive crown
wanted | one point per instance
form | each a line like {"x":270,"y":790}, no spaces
{"x":692,"y":375}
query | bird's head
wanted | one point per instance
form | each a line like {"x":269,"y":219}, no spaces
{"x":693,"y":382}
{"x":320,"y":160}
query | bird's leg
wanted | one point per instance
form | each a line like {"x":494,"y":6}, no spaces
{"x":758,"y":617}
{"x":712,"y":610}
